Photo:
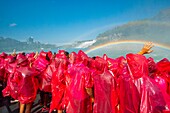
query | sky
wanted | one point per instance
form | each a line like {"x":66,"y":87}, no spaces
{"x":65,"y":21}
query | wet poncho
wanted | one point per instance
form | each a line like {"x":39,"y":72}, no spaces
{"x":115,"y":67}
{"x":27,"y":84}
{"x":11,"y":86}
{"x":58,"y":83}
{"x":44,"y":78}
{"x":77,"y":80}
{"x":152,"y":99}
{"x":3,"y":56}
{"x":103,"y":88}
{"x":2,"y":69}
{"x":41,"y":63}
{"x":22,"y":84}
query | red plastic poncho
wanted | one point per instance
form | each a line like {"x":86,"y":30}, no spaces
{"x":116,"y":66}
{"x":104,"y":86}
{"x":2,"y":69}
{"x":11,"y":88}
{"x":58,"y":83}
{"x":113,"y":68}
{"x":3,"y":56}
{"x":10,"y":63}
{"x":72,"y":61}
{"x":163,"y":67}
{"x":127,"y":92}
{"x":163,"y":78}
{"x":45,"y":78}
{"x":78,"y":79}
{"x":152,"y":97}
{"x":138,"y":65}
{"x":30,"y":57}
{"x":151,"y":65}
{"x":91,"y":66}
{"x":82,"y":57}
{"x":40,"y":64}
{"x":27,"y":84}
{"x":61,"y":52}
{"x":24,"y":83}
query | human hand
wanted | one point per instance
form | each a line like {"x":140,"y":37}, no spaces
{"x":146,"y":48}
{"x":14,"y":53}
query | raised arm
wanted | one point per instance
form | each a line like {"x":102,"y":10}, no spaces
{"x":146,"y":48}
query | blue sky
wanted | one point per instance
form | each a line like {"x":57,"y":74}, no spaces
{"x":66,"y":21}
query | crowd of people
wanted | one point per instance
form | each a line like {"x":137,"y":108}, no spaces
{"x":78,"y":83}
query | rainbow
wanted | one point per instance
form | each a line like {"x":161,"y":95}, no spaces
{"x":125,"y":42}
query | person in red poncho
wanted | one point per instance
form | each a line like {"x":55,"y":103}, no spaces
{"x":45,"y":83}
{"x":3,"y":80}
{"x":160,"y":76}
{"x":124,"y":88}
{"x":10,"y":64}
{"x":41,"y":62}
{"x":151,"y":86}
{"x":12,"y":86}
{"x":46,"y":75}
{"x":150,"y":95}
{"x":115,"y":66}
{"x":23,"y":77}
{"x":3,"y":77}
{"x":3,"y":56}
{"x":78,"y":81}
{"x":163,"y":66}
{"x":103,"y":86}
{"x":58,"y":83}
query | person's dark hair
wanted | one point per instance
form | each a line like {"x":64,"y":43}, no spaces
{"x":47,"y":58}
{"x":67,"y":54}
{"x":23,"y":53}
{"x":94,"y":57}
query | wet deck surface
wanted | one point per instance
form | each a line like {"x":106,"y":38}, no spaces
{"x":14,"y":107}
